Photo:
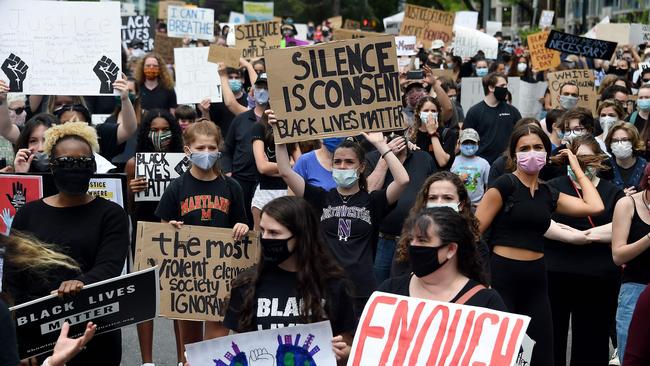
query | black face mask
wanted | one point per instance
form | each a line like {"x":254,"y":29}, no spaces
{"x":72,"y":181}
{"x":501,"y":93}
{"x":424,"y":260}
{"x":275,"y":251}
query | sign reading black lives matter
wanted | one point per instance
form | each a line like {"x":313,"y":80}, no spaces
{"x":335,"y":89}
{"x":159,"y":169}
{"x":576,"y":45}
{"x":111,"y":304}
{"x":197,"y":264}
{"x":140,"y":27}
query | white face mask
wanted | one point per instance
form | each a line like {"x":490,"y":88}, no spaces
{"x":453,"y":206}
{"x":606,"y":122}
{"x":622,"y":149}
{"x":521,"y":67}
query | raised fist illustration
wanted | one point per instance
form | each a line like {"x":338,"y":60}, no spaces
{"x":16,"y":71}
{"x":106,"y":70}
{"x":261,"y":357}
{"x":19,"y":197}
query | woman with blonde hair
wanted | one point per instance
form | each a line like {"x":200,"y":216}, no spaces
{"x":156,"y":83}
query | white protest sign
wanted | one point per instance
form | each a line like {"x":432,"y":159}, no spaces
{"x":107,"y":188}
{"x":639,"y":34}
{"x":467,"y":42}
{"x":492,"y":27}
{"x":195,"y":23}
{"x":525,"y":352}
{"x":546,"y":19}
{"x":525,"y":96}
{"x":303,"y":344}
{"x":98,"y":119}
{"x":592,"y":31}
{"x":60,"y":48}
{"x":399,"y":330}
{"x":196,"y":78}
{"x":471,"y":92}
{"x":236,"y":18}
{"x":405,"y":45}
{"x":467,"y":19}
{"x":159,"y":169}
{"x":393,"y":23}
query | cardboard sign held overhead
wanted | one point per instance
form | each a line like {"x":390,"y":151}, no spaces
{"x":546,"y":19}
{"x":584,"y":78}
{"x":336,"y":22}
{"x":427,"y":24}
{"x":491,"y":28}
{"x":163,"y":5}
{"x":189,"y":22}
{"x":541,"y":57}
{"x":335,"y":89}
{"x":467,"y":19}
{"x":196,"y":78}
{"x":342,"y":34}
{"x":614,"y":32}
{"x":352,"y":24}
{"x":254,"y":39}
{"x":227,"y":55}
{"x":588,"y":47}
{"x":165,"y":46}
{"x":197,"y":265}
{"x":468,"y":42}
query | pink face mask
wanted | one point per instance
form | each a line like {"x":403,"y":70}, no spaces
{"x":531,"y":162}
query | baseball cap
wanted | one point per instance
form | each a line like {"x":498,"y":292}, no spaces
{"x":469,"y":134}
{"x":437,"y":44}
{"x":261,"y":78}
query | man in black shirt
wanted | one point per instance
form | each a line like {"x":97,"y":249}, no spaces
{"x":219,"y":113}
{"x":493,"y":118}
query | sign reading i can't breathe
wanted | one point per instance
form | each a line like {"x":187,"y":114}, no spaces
{"x":576,"y":45}
{"x":335,"y":89}
{"x":190,"y":22}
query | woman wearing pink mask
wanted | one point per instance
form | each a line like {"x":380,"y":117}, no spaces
{"x":518,"y":209}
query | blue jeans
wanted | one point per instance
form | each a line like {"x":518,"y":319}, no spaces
{"x":384,"y":259}
{"x":627,"y":298}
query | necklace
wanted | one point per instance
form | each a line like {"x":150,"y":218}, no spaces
{"x":345,"y":199}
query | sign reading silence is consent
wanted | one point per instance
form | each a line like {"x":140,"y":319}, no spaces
{"x":576,"y":45}
{"x":335,"y":89}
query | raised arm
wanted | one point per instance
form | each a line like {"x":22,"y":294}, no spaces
{"x":7,"y":129}
{"x":400,"y":176}
{"x":264,"y":166}
{"x":252,"y":74}
{"x":590,"y":204}
{"x":129,"y":124}
{"x":294,"y":181}
{"x":229,"y":99}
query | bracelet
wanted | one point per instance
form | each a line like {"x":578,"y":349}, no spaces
{"x":386,"y":153}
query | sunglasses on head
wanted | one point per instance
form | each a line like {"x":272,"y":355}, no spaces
{"x":67,"y":162}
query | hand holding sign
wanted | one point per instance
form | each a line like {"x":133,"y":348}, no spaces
{"x":106,"y":70}
{"x":16,"y":71}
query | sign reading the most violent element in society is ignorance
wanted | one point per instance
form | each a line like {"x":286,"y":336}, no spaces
{"x":253,"y":39}
{"x":395,"y":329}
{"x":196,"y":78}
{"x":427,"y":24}
{"x":60,"y":48}
{"x":190,"y":22}
{"x":111,"y":304}
{"x":196,"y":263}
{"x":576,"y":45}
{"x":159,"y":169}
{"x":335,"y":89}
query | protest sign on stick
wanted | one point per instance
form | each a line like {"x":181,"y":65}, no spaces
{"x":492,"y":27}
{"x":255,"y":39}
{"x":164,"y":46}
{"x":186,"y":22}
{"x":229,"y":56}
{"x":196,"y":78}
{"x":427,"y":24}
{"x":583,"y":78}
{"x":159,"y":169}
{"x":468,"y":42}
{"x":576,"y":45}
{"x":197,"y":264}
{"x":467,"y":19}
{"x":140,"y":27}
{"x":15,"y":192}
{"x":258,"y":11}
{"x":335,"y":89}
{"x":343,"y":34}
{"x":546,"y":19}
{"x":541,"y":57}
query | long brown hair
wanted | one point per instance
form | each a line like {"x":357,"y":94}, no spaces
{"x":164,"y":78}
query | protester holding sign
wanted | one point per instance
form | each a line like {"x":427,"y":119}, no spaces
{"x":156,"y":83}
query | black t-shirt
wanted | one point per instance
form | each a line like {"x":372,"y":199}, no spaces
{"x":107,"y":134}
{"x":593,"y":259}
{"x":100,"y":105}
{"x":419,"y":166}
{"x":523,"y":219}
{"x":9,"y":354}
{"x":222,"y":116}
{"x":448,"y":138}
{"x":238,"y":155}
{"x":216,"y":203}
{"x":258,"y":132}
{"x":494,"y":126}
{"x":638,"y":269}
{"x":485,"y":298}
{"x":350,"y":229}
{"x":276,"y":303}
{"x":157,"y":98}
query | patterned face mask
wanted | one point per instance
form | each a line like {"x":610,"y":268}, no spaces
{"x":160,"y":139}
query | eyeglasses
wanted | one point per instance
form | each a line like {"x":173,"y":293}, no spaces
{"x":18,"y":110}
{"x":623,"y":139}
{"x":67,"y":162}
{"x":578,"y":129}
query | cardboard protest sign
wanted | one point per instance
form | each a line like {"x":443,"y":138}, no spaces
{"x":588,"y":47}
{"x":467,"y":19}
{"x":163,"y":5}
{"x":471,"y":92}
{"x":258,"y":11}
{"x":336,"y":22}
{"x":343,"y":34}
{"x":584,"y":78}
{"x":492,"y":27}
{"x":229,"y":56}
{"x":394,"y":329}
{"x":427,"y":24}
{"x":639,"y":34}
{"x":305,"y":344}
{"x":546,"y":19}
{"x":468,"y":42}
{"x":196,"y":78}
{"x":111,"y":304}
{"x":447,"y":73}
{"x":406,"y":45}
{"x":140,"y":27}
{"x":159,"y":169}
{"x":60,"y":48}
{"x":189,"y":22}
{"x":351,"y":24}
{"x":15,"y":192}
{"x":196,"y":263}
{"x":335,"y":89}
{"x":526,"y":96}
{"x":165,"y":46}
{"x":254,"y":39}
{"x":541,"y":57}
{"x":614,"y":32}
{"x":111,"y":189}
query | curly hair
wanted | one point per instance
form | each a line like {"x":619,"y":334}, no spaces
{"x":78,"y":130}
{"x":165,"y":77}
{"x":144,"y":143}
{"x":413,"y":130}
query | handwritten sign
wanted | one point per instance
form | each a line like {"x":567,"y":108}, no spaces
{"x":196,"y":78}
{"x":159,"y":169}
{"x":393,"y":23}
{"x":140,"y":27}
{"x":546,"y":19}
{"x":394,"y":330}
{"x":639,"y":34}
{"x":15,"y":192}
{"x":163,"y":5}
{"x":335,"y":89}
{"x":342,"y":34}
{"x":406,"y":45}
{"x":190,"y":22}
{"x":541,"y":57}
{"x":427,"y":24}
{"x":258,"y":11}
{"x":254,"y":39}
{"x":229,"y":56}
{"x":472,"y":92}
{"x":165,"y":47}
{"x":492,"y":27}
{"x":576,"y":45}
{"x":196,"y":264}
{"x":583,"y":78}
{"x":60,"y":48}
{"x":469,"y":41}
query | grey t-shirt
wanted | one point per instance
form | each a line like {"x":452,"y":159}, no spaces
{"x":473,"y":171}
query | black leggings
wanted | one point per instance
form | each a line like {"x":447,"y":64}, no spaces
{"x":249,"y":191}
{"x":523,"y":287}
{"x":591,"y":303}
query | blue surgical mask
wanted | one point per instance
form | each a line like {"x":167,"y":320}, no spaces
{"x":468,"y":149}
{"x":560,"y":135}
{"x":345,"y":178}
{"x":331,"y":143}
{"x":235,"y":85}
{"x":481,"y":71}
{"x":204,"y":160}
{"x":454,"y":205}
{"x":261,"y":96}
{"x":644,"y":104}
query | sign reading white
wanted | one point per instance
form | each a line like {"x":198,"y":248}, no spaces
{"x":60,"y":48}
{"x":405,"y":45}
{"x":468,"y":42}
{"x":196,"y":78}
{"x":195,"y":23}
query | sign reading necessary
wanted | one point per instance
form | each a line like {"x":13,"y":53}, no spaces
{"x":406,"y":45}
{"x":140,"y":27}
{"x":342,"y":34}
{"x":60,"y":48}
{"x":335,"y":89}
{"x":583,"y":78}
{"x":469,"y":41}
{"x":111,"y":304}
{"x":394,"y":329}
{"x":196,"y":78}
{"x":576,"y":45}
{"x":190,"y":22}
{"x":541,"y":57}
{"x":253,"y":39}
{"x":427,"y":24}
{"x":197,"y":265}
{"x":165,"y":47}
{"x":15,"y":192}
{"x":546,"y":19}
{"x":160,"y":169}
{"x":258,"y":11}
{"x":229,"y":56}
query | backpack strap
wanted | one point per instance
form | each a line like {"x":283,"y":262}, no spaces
{"x":469,"y":294}
{"x":633,"y":117}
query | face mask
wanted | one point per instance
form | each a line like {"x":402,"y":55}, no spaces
{"x":424,"y":260}
{"x":72,"y":181}
{"x":41,"y":162}
{"x":204,"y":160}
{"x":450,"y":65}
{"x":132,"y":98}
{"x":235,"y":85}
{"x":331,"y":143}
{"x":453,"y":206}
{"x":568,"y":101}
{"x":531,"y":162}
{"x":137,"y":53}
{"x":468,"y":149}
{"x":620,"y":72}
{"x":17,"y":119}
{"x":606,"y":123}
{"x":622,"y":150}
{"x":151,"y":73}
{"x":261,"y":96}
{"x":590,"y":173}
{"x":571,"y":135}
{"x":345,"y":178}
{"x":501,"y":93}
{"x":481,"y":71}
{"x":521,"y":67}
{"x":644,"y":104}
{"x":275,"y":251}
{"x":160,"y":139}
{"x":424,"y":116}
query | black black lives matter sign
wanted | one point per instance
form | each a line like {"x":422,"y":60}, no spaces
{"x":140,"y":27}
{"x":582,"y":46}
{"x":110,"y":304}
{"x":335,"y":89}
